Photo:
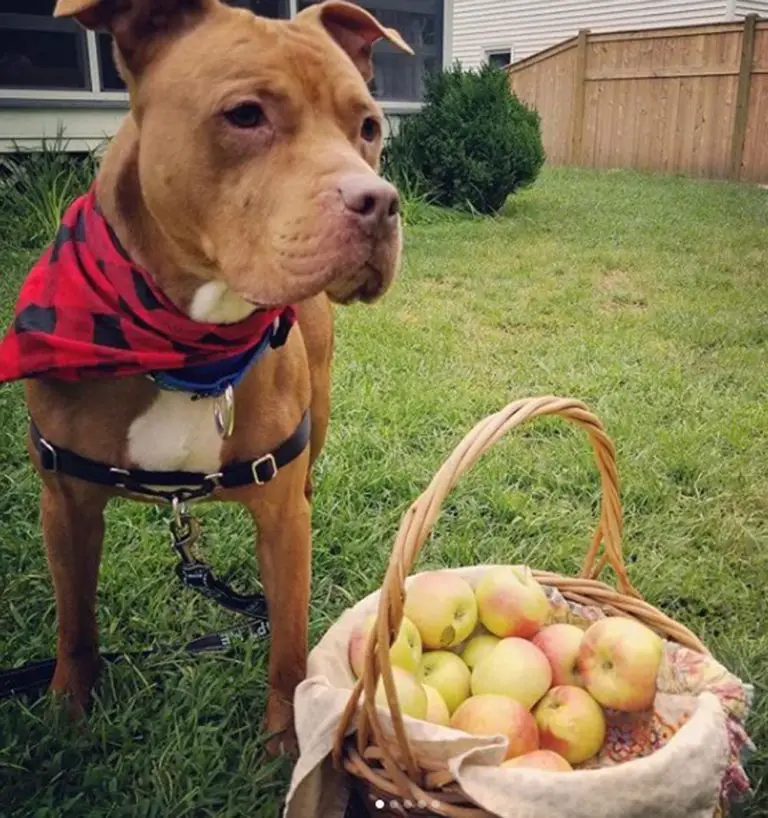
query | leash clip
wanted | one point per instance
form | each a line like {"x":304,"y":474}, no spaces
{"x":185,"y":531}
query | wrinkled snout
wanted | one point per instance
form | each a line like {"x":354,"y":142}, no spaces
{"x":371,"y":201}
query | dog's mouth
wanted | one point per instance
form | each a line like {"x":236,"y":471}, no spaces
{"x":371,"y":288}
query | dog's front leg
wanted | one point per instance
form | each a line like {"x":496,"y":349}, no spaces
{"x":73,"y":530}
{"x":282,"y":515}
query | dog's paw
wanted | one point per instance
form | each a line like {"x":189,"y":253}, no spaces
{"x":73,"y":682}
{"x":283,"y":744}
{"x":279,"y":728}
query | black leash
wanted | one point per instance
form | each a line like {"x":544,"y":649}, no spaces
{"x":34,"y":677}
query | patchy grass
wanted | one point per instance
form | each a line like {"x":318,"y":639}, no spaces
{"x":645,"y":297}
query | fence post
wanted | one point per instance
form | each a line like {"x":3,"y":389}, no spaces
{"x":579,"y":95}
{"x":741,"y":114}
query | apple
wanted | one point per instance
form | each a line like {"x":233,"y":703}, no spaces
{"x":510,"y":602}
{"x":478,"y":648}
{"x":560,"y":644}
{"x":571,"y":723}
{"x":544,"y":760}
{"x":442,"y":606}
{"x":619,"y":661}
{"x":411,"y":696}
{"x":445,"y":672}
{"x":514,"y":668}
{"x":490,"y":715}
{"x":437,"y":709}
{"x":405,"y":651}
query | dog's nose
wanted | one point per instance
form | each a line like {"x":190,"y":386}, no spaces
{"x":375,"y":202}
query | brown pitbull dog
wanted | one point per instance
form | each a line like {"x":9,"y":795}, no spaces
{"x":243,"y":178}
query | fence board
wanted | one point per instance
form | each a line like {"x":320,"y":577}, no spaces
{"x":658,"y":100}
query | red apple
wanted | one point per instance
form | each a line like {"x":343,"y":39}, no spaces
{"x":491,"y":715}
{"x":510,"y":602}
{"x":544,"y":760}
{"x":560,"y":644}
{"x":571,"y":723}
{"x":619,"y":661}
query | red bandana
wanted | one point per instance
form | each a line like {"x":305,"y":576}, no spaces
{"x":85,"y":311}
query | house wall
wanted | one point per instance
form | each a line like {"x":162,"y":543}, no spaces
{"x":527,"y":27}
{"x":744,"y":7}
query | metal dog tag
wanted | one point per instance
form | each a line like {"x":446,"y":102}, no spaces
{"x":224,"y":413}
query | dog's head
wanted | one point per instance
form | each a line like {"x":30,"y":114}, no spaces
{"x":259,"y":143}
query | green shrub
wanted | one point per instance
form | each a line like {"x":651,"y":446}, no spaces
{"x":37,"y":186}
{"x":472,"y":144}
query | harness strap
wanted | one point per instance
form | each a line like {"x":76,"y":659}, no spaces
{"x":170,"y":485}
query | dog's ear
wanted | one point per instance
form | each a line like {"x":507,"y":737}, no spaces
{"x":134,"y":24}
{"x":355,"y":30}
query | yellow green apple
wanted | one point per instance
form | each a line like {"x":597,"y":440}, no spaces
{"x":477,"y":648}
{"x":405,"y":651}
{"x":442,"y":606}
{"x":544,"y":760}
{"x":490,"y":715}
{"x":571,"y":723}
{"x":411,"y":696}
{"x":437,"y":709}
{"x":510,"y":602}
{"x":445,"y":672}
{"x":619,"y":661}
{"x":560,"y":644}
{"x":514,"y":668}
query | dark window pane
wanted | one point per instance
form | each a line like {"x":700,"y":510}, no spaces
{"x":398,"y":76}
{"x":44,"y":8}
{"x":110,"y":79}
{"x":264,"y":8}
{"x":42,"y":58}
{"x":499,"y":59}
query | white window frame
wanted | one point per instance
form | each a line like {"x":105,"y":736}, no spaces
{"x":120,"y":98}
{"x":497,"y":49}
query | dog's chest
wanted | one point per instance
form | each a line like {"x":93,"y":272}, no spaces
{"x":176,"y":433}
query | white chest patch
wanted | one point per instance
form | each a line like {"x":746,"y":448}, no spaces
{"x":176,"y":433}
{"x":215,"y":303}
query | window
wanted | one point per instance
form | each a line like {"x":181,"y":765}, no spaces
{"x":37,"y":51}
{"x":399,"y":76}
{"x":499,"y":59}
{"x":110,"y":78}
{"x":43,"y":58}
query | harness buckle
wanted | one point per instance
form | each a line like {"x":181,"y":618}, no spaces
{"x":268,"y":458}
{"x":53,"y":463}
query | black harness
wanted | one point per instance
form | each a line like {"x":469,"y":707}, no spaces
{"x":172,"y":486}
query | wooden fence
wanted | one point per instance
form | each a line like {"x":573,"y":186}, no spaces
{"x":688,"y":100}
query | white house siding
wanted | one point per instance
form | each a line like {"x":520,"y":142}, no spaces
{"x":525,"y":27}
{"x":84,"y":129}
{"x":744,"y":7}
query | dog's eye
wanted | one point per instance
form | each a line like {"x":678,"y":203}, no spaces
{"x":247,"y":115}
{"x":370,"y":129}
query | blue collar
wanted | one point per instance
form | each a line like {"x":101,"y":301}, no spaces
{"x":212,"y":380}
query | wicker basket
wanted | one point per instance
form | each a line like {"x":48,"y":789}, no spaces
{"x":387,"y":777}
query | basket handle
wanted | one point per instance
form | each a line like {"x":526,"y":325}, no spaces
{"x":414,"y":530}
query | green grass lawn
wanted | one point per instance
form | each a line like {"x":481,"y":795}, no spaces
{"x":645,"y":297}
